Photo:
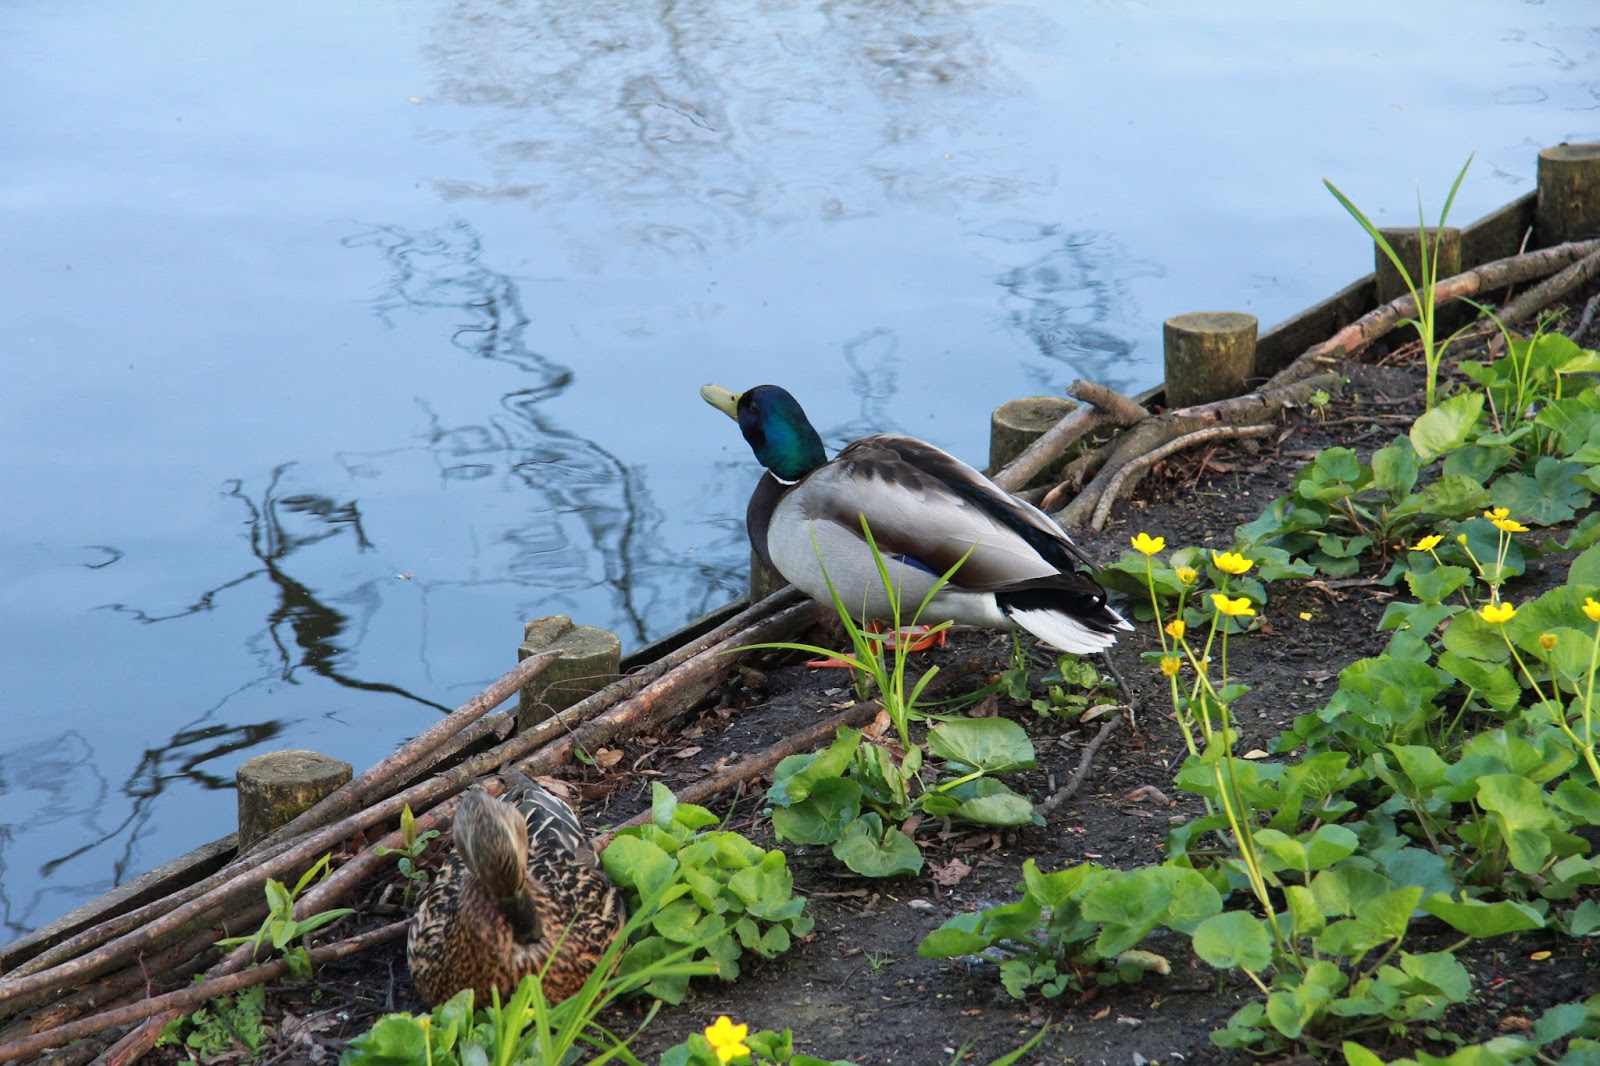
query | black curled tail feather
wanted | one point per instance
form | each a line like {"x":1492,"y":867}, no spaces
{"x":1084,"y":601}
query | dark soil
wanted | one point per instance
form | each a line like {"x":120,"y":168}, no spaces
{"x":856,"y":989}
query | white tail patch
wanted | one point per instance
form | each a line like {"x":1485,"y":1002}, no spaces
{"x":1066,"y":633}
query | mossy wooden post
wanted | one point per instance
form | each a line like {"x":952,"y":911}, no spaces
{"x":276,"y":787}
{"x":1210,"y":354}
{"x":590,"y":659}
{"x":764,"y":580}
{"x":1407,"y":244}
{"x":1569,"y":194}
{"x":1016,"y":424}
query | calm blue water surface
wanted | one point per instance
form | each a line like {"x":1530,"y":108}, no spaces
{"x":340,"y":339}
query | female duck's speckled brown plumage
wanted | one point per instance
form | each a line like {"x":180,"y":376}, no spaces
{"x":522,"y":888}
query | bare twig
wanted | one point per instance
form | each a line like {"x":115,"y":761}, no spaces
{"x":1252,"y":409}
{"x":1136,"y":469}
{"x":1582,"y":328}
{"x":1067,"y":791}
{"x":1102,"y":407}
{"x":1547,"y":292}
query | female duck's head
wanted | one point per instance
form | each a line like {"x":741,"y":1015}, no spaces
{"x":775,"y":427}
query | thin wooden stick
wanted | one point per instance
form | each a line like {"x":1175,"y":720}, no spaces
{"x":1141,"y":466}
{"x":1252,"y":409}
{"x":1547,"y":292}
{"x":1070,"y":789}
{"x":1101,"y":407}
{"x":192,"y":996}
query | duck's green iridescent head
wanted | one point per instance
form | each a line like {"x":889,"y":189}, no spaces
{"x":775,"y":427}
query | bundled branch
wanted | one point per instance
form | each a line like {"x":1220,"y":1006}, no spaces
{"x":1118,"y":466}
{"x":138,"y":942}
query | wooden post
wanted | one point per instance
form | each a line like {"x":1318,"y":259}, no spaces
{"x":1016,"y":424}
{"x":764,"y":580}
{"x":1407,"y":244}
{"x":590,"y":660}
{"x":276,"y":787}
{"x":1569,"y":194}
{"x":1209,"y":356}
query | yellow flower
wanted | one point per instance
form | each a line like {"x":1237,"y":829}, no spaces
{"x":1508,"y":525}
{"x":1547,"y":641}
{"x":1149,"y":545}
{"x":727,"y":1039}
{"x":1498,"y":512}
{"x":1461,"y":539}
{"x":1233,"y":608}
{"x":1428,"y":543}
{"x":1231,"y":562}
{"x":1170,"y":665}
{"x":1187,"y":574}
{"x":1591,"y":608}
{"x":1176,"y":628}
{"x":1497,"y":613}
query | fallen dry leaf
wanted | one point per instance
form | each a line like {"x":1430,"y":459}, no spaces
{"x":879,"y":725}
{"x":556,"y":787}
{"x":605,"y":758}
{"x":687,"y":753}
{"x":951,"y":873}
{"x":1147,"y":794}
{"x":987,"y":707}
{"x":1097,"y":710}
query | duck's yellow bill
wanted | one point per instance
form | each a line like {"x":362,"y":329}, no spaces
{"x":723,"y":400}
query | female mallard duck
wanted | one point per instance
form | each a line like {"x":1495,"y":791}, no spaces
{"x":522,"y":893}
{"x":926,"y":509}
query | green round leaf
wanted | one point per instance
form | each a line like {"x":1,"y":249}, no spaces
{"x":1233,"y":940}
{"x":993,"y":745}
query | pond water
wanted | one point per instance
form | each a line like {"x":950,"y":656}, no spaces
{"x":340,"y":339}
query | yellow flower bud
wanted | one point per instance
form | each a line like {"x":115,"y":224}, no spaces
{"x":1187,"y":574}
{"x":1591,"y":609}
{"x":1170,"y":665}
{"x":1547,"y":641}
{"x":1176,"y":629}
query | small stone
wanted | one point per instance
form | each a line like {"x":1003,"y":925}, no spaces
{"x":921,"y":905}
{"x":1131,"y":1023}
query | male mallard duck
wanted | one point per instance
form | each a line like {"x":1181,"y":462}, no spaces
{"x":522,"y":889}
{"x":925,"y":508}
